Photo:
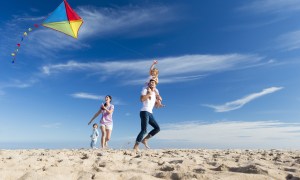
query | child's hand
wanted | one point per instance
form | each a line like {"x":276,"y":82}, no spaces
{"x":155,"y":62}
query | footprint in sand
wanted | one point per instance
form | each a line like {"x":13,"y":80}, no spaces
{"x":199,"y":171}
{"x":222,"y":167}
{"x":85,"y":156}
{"x":176,"y":162}
{"x":291,"y":177}
{"x":167,"y":168}
{"x":251,"y":169}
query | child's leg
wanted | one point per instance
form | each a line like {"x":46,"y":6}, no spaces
{"x":93,"y":143}
{"x":158,"y":103}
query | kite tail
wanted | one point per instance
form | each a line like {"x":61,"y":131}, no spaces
{"x":24,"y":35}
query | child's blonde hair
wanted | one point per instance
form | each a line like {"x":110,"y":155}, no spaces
{"x":155,"y":70}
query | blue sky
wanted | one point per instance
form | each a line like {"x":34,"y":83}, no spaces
{"x":229,"y":73}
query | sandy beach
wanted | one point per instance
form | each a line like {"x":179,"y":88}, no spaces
{"x":149,"y":164}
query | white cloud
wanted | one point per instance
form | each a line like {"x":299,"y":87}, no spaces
{"x":181,"y":68}
{"x":106,"y":22}
{"x":272,"y":6}
{"x":231,"y":134}
{"x":83,"y":95}
{"x":233,"y":105}
{"x":175,"y":79}
{"x":289,"y":41}
{"x":15,"y":83}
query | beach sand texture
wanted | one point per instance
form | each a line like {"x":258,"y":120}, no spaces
{"x":85,"y":164}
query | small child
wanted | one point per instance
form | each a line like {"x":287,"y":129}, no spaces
{"x":94,"y":136}
{"x":154,"y":75}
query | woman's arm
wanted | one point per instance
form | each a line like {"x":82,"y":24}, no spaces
{"x":96,"y":115}
{"x":108,"y":110}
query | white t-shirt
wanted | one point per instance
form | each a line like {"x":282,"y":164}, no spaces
{"x":149,"y":103}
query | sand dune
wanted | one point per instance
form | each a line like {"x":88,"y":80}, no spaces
{"x":187,"y":164}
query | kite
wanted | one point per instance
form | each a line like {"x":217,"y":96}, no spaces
{"x":63,"y":19}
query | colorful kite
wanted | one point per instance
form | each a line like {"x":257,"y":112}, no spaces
{"x":64,"y":19}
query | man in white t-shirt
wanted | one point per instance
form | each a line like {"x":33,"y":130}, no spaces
{"x":148,"y":98}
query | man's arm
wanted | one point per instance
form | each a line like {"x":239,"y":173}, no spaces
{"x":146,"y":95}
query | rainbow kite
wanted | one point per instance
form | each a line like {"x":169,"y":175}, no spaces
{"x":64,"y":19}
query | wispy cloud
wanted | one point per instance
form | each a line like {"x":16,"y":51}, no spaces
{"x":289,"y":41}
{"x":231,"y":134}
{"x":233,"y":105}
{"x":181,"y":68}
{"x":15,"y":83}
{"x":106,"y":22}
{"x":272,"y":6}
{"x":83,"y":95}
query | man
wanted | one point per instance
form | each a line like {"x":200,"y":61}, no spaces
{"x":148,"y":98}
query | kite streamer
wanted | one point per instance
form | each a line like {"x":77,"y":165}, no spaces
{"x":25,"y":34}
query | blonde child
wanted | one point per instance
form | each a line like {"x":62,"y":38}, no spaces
{"x":154,"y":75}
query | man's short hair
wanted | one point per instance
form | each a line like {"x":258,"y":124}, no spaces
{"x":153,"y":80}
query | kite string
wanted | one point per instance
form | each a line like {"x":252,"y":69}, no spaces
{"x":126,"y":48}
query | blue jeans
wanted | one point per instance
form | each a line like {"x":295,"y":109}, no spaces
{"x":146,"y":118}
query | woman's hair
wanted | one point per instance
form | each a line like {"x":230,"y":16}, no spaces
{"x":109,"y":98}
{"x":95,"y":124}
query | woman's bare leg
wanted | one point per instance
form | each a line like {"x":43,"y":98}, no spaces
{"x":108,"y":135}
{"x":103,"y":137}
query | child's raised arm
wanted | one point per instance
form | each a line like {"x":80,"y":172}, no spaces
{"x":152,"y":66}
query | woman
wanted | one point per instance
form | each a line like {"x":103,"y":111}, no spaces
{"x":106,"y":122}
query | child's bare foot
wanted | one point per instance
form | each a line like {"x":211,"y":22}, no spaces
{"x":145,"y":143}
